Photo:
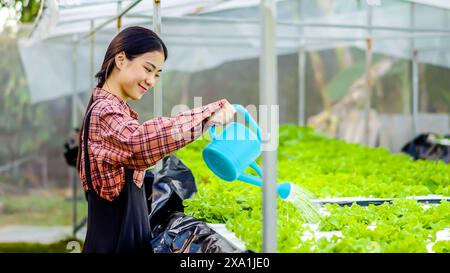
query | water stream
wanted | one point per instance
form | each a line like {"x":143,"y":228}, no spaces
{"x":302,"y":199}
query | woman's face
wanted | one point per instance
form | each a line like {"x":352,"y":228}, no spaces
{"x":137,"y":76}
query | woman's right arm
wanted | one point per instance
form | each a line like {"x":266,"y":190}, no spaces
{"x":126,"y":142}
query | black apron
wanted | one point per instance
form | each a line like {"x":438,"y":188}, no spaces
{"x":121,"y":225}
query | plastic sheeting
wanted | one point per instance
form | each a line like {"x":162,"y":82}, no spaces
{"x":173,"y":231}
{"x":204,"y":34}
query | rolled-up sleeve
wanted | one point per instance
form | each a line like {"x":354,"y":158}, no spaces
{"x":139,"y":146}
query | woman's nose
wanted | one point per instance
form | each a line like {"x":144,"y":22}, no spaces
{"x":150,"y":81}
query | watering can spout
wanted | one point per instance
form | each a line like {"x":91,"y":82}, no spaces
{"x":284,"y":190}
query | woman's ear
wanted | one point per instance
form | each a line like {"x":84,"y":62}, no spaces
{"x":120,"y":59}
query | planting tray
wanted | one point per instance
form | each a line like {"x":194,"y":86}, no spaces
{"x":365,"y":201}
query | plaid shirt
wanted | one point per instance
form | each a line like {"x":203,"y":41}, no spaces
{"x":117,"y":140}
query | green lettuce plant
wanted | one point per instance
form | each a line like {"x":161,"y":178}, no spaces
{"x":330,"y":168}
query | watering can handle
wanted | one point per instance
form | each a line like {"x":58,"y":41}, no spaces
{"x":248,"y":119}
{"x":212,"y":131}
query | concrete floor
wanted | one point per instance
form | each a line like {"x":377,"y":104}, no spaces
{"x":40,"y":234}
{"x":37,"y":234}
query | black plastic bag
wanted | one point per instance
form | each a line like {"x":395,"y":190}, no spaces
{"x":172,"y":230}
{"x":71,"y":148}
{"x":424,"y":147}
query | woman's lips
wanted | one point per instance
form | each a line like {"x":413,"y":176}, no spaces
{"x":143,"y":89}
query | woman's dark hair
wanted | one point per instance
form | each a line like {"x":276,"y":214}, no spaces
{"x":133,"y":41}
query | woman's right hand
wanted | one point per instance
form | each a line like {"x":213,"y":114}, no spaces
{"x":223,"y":116}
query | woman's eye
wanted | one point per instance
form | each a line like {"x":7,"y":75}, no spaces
{"x":157,"y":75}
{"x":148,"y":69}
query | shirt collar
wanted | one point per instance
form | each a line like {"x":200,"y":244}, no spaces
{"x":100,"y":93}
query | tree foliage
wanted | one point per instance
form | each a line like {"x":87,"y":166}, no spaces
{"x":26,"y":9}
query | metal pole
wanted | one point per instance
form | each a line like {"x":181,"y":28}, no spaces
{"x":157,"y":89}
{"x":448,"y":25}
{"x":415,"y":98}
{"x":157,"y":16}
{"x":445,"y":13}
{"x":74,"y":125}
{"x":413,"y":74}
{"x":105,"y":23}
{"x":119,"y":16}
{"x":368,"y":76}
{"x":445,"y":50}
{"x":45,"y":170}
{"x":318,"y":39}
{"x":268,"y":98}
{"x":350,"y":26}
{"x":301,"y":75}
{"x":301,"y":95}
{"x":208,"y":19}
{"x":92,"y":56}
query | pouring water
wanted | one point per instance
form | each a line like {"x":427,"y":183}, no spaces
{"x":302,"y":199}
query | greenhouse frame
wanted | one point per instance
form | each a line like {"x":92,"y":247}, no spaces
{"x":205,"y":34}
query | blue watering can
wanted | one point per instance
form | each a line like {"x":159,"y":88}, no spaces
{"x":236,"y":148}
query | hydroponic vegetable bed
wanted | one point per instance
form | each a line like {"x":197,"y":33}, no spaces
{"x":330,"y":169}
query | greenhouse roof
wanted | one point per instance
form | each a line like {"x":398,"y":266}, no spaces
{"x":435,"y":3}
{"x":64,"y":17}
{"x":205,"y":34}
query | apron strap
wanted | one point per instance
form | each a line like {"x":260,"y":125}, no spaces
{"x":87,"y":166}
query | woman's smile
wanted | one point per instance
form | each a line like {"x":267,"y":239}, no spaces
{"x":143,"y":89}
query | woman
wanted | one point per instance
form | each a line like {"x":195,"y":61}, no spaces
{"x":115,"y":150}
